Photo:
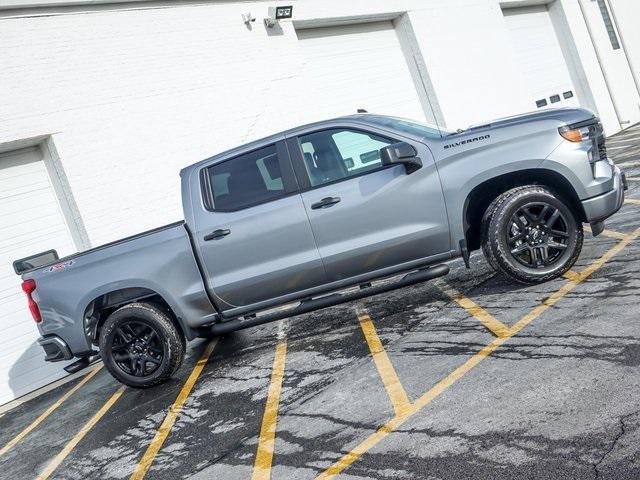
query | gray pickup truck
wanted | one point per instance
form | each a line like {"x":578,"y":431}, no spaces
{"x":323,"y":214}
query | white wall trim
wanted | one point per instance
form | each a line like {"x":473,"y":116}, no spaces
{"x":59,"y":183}
{"x":319,"y":22}
{"x":419,"y":70}
{"x":63,"y":193}
{"x":25,"y":4}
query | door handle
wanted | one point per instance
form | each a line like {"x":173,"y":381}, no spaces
{"x":217,"y":234}
{"x":325,"y":202}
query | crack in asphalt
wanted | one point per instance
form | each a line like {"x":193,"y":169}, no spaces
{"x":614,"y":443}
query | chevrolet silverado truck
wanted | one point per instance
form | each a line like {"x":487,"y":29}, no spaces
{"x":323,"y":214}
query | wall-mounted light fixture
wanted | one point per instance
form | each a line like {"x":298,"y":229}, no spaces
{"x":278,"y":13}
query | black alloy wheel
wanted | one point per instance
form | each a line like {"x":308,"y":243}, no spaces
{"x":137,"y":349}
{"x":531,"y":234}
{"x":537,"y":234}
{"x":141,"y":345}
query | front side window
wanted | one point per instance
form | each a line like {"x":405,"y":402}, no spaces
{"x":332,"y":155}
{"x":247,"y":180}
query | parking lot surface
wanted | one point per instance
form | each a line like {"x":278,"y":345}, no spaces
{"x":471,"y":376}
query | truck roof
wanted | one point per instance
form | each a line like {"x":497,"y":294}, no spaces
{"x":364,"y":118}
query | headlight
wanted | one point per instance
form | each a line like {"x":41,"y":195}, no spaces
{"x":588,"y":130}
{"x":577,"y":134}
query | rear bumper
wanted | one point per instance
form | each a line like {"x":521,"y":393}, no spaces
{"x":603,"y":206}
{"x":55,"y":348}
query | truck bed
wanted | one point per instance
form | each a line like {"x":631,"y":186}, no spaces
{"x":74,"y":256}
{"x":158,"y":262}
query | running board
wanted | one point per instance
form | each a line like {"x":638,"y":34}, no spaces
{"x":328,"y":301}
{"x":81,"y":363}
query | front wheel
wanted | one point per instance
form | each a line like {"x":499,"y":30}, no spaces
{"x":532,"y":236}
{"x":140,"y":345}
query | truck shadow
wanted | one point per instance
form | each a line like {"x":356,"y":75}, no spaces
{"x":28,"y":371}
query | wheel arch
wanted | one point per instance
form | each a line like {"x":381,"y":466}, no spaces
{"x":484,"y":193}
{"x":98,"y":309}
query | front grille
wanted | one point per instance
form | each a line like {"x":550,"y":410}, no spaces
{"x":602,"y":148}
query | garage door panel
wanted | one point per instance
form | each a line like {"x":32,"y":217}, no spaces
{"x":32,"y":222}
{"x":26,"y":241}
{"x":13,"y":310}
{"x":44,"y":225}
{"x":25,"y":204}
{"x":358,"y":66}
{"x":539,"y":54}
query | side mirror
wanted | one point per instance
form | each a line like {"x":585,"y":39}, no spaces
{"x":403,"y":153}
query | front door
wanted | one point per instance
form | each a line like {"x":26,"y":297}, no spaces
{"x":366,"y":217}
{"x":253,"y":233}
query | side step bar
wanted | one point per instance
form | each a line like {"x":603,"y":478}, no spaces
{"x":81,"y":363}
{"x":327,"y":301}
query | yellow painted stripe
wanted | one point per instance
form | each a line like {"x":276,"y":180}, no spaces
{"x":266,"y":443}
{"x":49,"y":469}
{"x":571,"y":275}
{"x":608,"y":233}
{"x":633,"y":179}
{"x":494,"y":325}
{"x":380,"y":434}
{"x":48,"y":411}
{"x":628,"y":164}
{"x":632,"y":201}
{"x":395,"y":390}
{"x":172,"y":415}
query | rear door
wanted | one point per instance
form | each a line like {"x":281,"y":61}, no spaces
{"x":366,"y":217}
{"x":253,"y":233}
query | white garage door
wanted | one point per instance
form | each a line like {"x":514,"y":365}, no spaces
{"x":31,"y":222}
{"x":357,"y":66}
{"x":538,"y":51}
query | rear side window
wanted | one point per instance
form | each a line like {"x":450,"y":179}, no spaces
{"x":247,"y":180}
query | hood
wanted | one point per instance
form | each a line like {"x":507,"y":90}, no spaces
{"x":563,"y":115}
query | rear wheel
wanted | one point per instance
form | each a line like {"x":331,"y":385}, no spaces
{"x":531,"y":235}
{"x":140,"y":345}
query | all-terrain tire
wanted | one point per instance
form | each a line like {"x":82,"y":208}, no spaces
{"x":167,"y":339}
{"x":484,"y":228}
{"x":496,"y":225}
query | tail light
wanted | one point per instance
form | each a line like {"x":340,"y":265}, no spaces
{"x":28,"y":287}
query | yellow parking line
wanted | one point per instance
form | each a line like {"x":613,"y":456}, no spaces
{"x":264,"y":455}
{"x":48,"y":411}
{"x":571,"y":275}
{"x":459,"y":372}
{"x":172,"y":415}
{"x":494,"y":325}
{"x":49,"y":469}
{"x":391,"y":381}
{"x":632,"y":201}
{"x":608,"y":233}
{"x":633,"y":179}
{"x":628,"y":164}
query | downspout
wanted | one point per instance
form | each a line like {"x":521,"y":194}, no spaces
{"x":602,"y":69}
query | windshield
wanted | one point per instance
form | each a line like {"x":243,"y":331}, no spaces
{"x":412,"y":127}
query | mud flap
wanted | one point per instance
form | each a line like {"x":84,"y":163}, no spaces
{"x":465,"y":253}
{"x":597,"y":228}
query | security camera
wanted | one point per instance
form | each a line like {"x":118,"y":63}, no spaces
{"x":248,"y":18}
{"x":278,"y":13}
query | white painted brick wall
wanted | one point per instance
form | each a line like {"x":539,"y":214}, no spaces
{"x":131,"y":95}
